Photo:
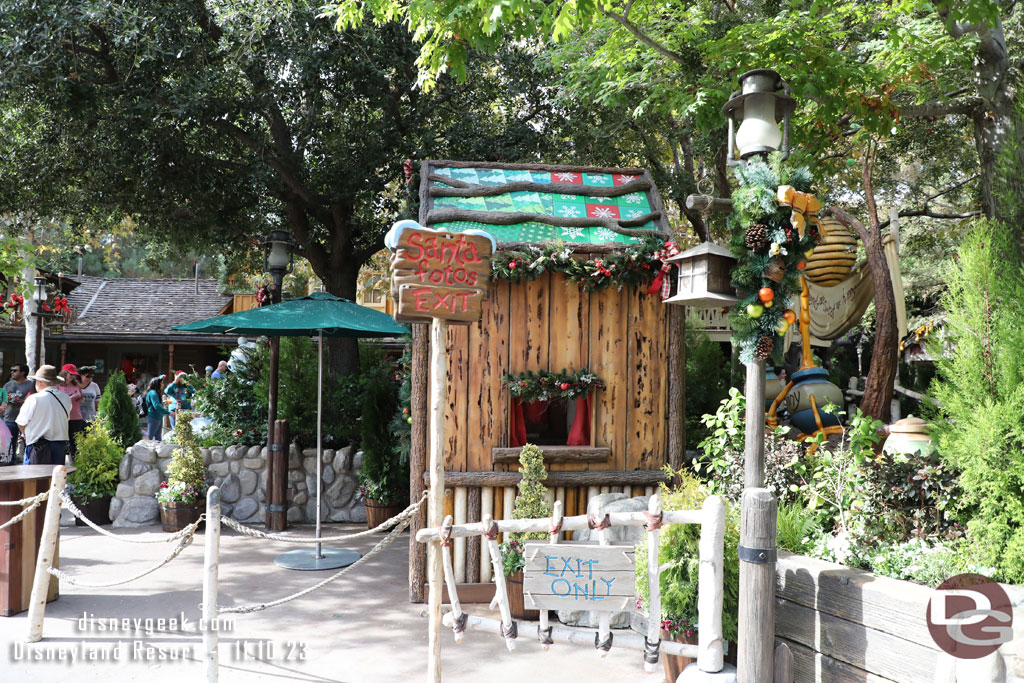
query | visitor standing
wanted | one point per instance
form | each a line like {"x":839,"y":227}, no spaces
{"x":181,"y":392}
{"x":18,"y":389}
{"x":90,"y":393}
{"x":72,"y":387}
{"x":155,"y":411}
{"x":221,"y":371}
{"x":43,"y":419}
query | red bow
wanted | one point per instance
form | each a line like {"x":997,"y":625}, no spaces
{"x":17,"y":301}
{"x":262,"y":295}
{"x":660,"y":281}
{"x":60,"y":304}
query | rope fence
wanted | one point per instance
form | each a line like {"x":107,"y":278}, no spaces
{"x":80,"y":515}
{"x":31,"y":503}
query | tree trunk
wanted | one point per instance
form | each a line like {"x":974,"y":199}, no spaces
{"x":342,"y":352}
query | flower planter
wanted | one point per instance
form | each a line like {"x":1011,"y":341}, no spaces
{"x":96,"y":509}
{"x":674,"y":664}
{"x":514,"y":587}
{"x":176,"y":516}
{"x":377,"y":513}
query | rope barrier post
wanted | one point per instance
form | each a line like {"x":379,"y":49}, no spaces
{"x":435,"y":507}
{"x":47,"y":555}
{"x":652,"y":651}
{"x":211,"y":566}
{"x":710,"y":577}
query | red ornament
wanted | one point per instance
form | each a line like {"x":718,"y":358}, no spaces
{"x":801,"y":265}
{"x":563,"y":386}
{"x":512,"y":264}
{"x":766,"y":294}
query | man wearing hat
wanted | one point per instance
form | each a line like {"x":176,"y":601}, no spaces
{"x":43,"y":420}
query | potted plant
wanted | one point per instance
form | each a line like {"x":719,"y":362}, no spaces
{"x":182,"y":496}
{"x":94,"y":481}
{"x":529,"y":504}
{"x":679,"y":556}
{"x":383,"y":477}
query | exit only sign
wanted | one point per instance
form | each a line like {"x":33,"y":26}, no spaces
{"x":572,"y":576}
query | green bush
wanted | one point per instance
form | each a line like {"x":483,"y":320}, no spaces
{"x":118,"y":411}
{"x":186,"y":473}
{"x":96,"y":462}
{"x":707,"y":382}
{"x":529,"y":504}
{"x":796,"y":527}
{"x":296,"y":388}
{"x":679,"y":554}
{"x":382,"y":476}
{"x":233,"y":404}
{"x":980,"y":385}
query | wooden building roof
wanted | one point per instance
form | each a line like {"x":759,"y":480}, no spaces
{"x":518,"y":203}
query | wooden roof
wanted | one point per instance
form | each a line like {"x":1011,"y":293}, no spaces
{"x":518,"y":203}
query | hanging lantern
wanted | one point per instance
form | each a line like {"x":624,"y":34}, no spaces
{"x":704,"y":277}
{"x":754,"y":112}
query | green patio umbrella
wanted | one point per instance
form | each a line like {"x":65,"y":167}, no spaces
{"x":320,"y":315}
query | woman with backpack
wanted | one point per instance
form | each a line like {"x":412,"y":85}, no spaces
{"x":153,"y":406}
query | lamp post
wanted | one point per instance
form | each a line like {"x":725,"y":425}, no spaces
{"x":39,"y":297}
{"x":755,"y":111}
{"x":278,"y":260}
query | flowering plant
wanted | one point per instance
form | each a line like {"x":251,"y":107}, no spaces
{"x":512,"y":558}
{"x":179,"y":492}
{"x":551,"y":386}
{"x":678,"y":627}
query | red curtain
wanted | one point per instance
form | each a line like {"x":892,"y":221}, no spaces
{"x":516,"y":425}
{"x":579,"y":435}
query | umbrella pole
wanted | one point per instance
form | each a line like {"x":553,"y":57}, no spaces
{"x":319,"y":431}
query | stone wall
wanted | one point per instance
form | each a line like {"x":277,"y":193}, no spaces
{"x":240,"y":473}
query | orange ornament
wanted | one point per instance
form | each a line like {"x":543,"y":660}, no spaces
{"x":766,"y":294}
{"x":801,"y":265}
{"x":790,"y":315}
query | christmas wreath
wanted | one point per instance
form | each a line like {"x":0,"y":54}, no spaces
{"x":544,"y":385}
{"x":632,"y":266}
{"x":770,"y":252}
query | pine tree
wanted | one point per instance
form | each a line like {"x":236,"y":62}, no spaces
{"x":530,"y":503}
{"x":186,"y":466}
{"x":117,"y":410}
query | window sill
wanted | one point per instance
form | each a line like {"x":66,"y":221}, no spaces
{"x":556,"y":454}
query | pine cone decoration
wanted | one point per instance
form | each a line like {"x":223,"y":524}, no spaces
{"x":756,"y":237}
{"x":763,"y":348}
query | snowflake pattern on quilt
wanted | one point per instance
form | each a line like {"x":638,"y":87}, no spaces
{"x":566,"y":177}
{"x":633,"y":213}
{"x":634,"y":198}
{"x":570,"y":210}
{"x":607,"y":235}
{"x":603,"y":212}
{"x":572,"y":233}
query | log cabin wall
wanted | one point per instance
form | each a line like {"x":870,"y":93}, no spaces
{"x":550,"y":324}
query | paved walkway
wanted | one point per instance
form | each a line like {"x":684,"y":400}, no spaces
{"x":359,"y":628}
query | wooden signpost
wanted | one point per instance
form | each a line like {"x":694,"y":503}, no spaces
{"x":579,"y":577}
{"x":440,"y":275}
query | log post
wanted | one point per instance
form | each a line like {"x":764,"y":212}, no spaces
{"x":553,"y":538}
{"x":783,"y":664}
{"x":653,"y":643}
{"x":757,"y":552}
{"x":418,"y":458}
{"x":604,"y":619}
{"x":473,"y":506}
{"x":676,"y":386}
{"x":711,"y":573}
{"x":435,"y":501}
{"x":47,"y":555}
{"x":211,"y":566}
{"x":753,"y":455}
{"x":508,"y":631}
{"x":450,"y":582}
{"x":277,"y":477}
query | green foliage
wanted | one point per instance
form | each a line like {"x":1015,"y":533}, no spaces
{"x":512,"y":558}
{"x":186,"y":473}
{"x":381,"y":473}
{"x":707,"y":382}
{"x":679,"y":554}
{"x":97,"y":459}
{"x":529,"y":504}
{"x":796,"y":526}
{"x":401,"y":421}
{"x":118,"y":411}
{"x":980,"y":384}
{"x":723,"y":453}
{"x":237,"y":409}
{"x":545,"y":385}
{"x":632,"y":266}
{"x":296,"y":388}
{"x":924,"y":562}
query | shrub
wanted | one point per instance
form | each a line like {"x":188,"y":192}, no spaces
{"x":232,"y":403}
{"x":707,"y":382}
{"x":97,"y":461}
{"x":296,"y":388}
{"x":980,"y":385}
{"x":722,"y":460}
{"x":796,"y":527}
{"x":679,"y":556}
{"x":382,"y":476}
{"x":118,"y":411}
{"x":927,"y":563}
{"x":186,"y":474}
{"x":529,"y":504}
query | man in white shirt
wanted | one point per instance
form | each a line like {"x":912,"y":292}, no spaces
{"x":43,"y":420}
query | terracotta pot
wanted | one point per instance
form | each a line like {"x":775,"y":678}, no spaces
{"x":514,"y":587}
{"x":97,"y":510}
{"x":377,"y":514}
{"x":176,"y":516}
{"x":674,"y":664}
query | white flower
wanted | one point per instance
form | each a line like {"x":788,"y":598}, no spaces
{"x":566,"y":177}
{"x":570,"y":210}
{"x":574,"y":233}
{"x":777,"y":248}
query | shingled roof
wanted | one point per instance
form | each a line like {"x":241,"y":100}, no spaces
{"x":136,"y":308}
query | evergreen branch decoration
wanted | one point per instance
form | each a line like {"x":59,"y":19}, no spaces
{"x":631,"y":266}
{"x":545,"y":385}
{"x":622,"y":226}
{"x":767,"y":276}
{"x":460,"y":188}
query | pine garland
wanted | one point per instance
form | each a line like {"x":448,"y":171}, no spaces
{"x":544,"y":385}
{"x":631,"y":266}
{"x":755,"y":201}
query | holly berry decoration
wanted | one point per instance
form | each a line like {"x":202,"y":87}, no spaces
{"x":512,"y":264}
{"x":763,"y":348}
{"x":766,"y":294}
{"x":755,"y":310}
{"x":756,"y":237}
{"x":563,"y":386}
{"x":790,"y":315}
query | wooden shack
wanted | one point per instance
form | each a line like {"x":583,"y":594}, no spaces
{"x":625,"y":336}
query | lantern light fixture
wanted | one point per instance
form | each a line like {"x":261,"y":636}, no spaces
{"x":755,"y":111}
{"x":40,"y":295}
{"x":704,"y":277}
{"x":278,"y":259}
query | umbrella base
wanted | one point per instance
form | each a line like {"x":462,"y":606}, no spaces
{"x":306,"y":559}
